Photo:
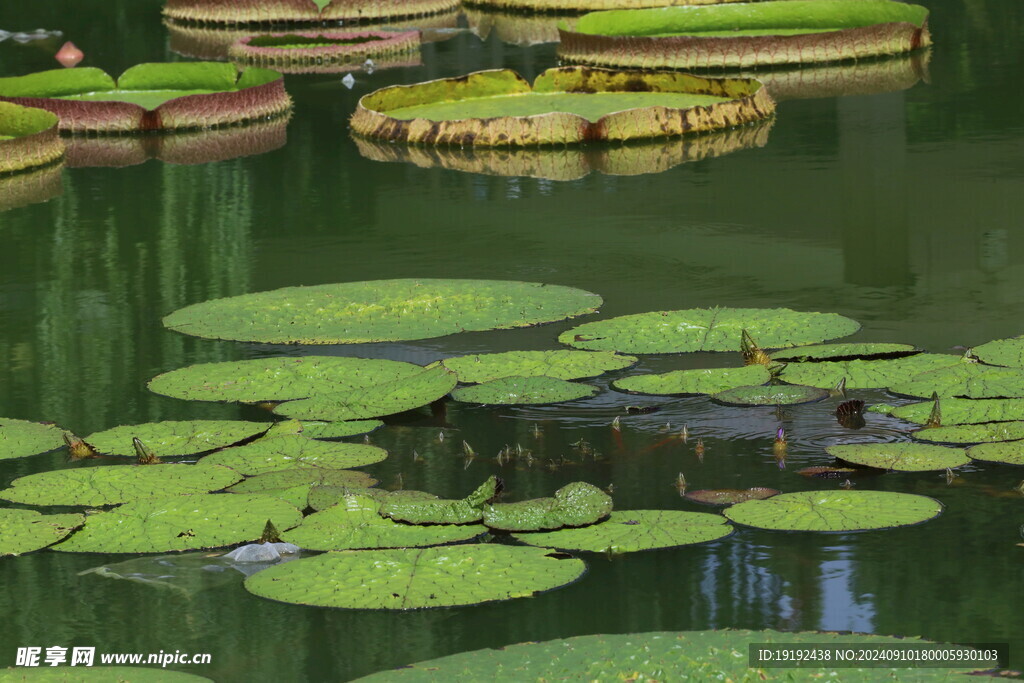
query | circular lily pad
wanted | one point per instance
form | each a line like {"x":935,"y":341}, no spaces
{"x":28,"y":138}
{"x":730,"y":496}
{"x":632,"y":530}
{"x":98,"y":674}
{"x":116,"y":484}
{"x":564,"y":105}
{"x":900,"y":457}
{"x":1010,"y":452}
{"x":279,"y":480}
{"x":387,"y":398}
{"x":175,"y":438}
{"x":956,"y":411}
{"x":839,"y":352}
{"x":1007,"y":352}
{"x":159,"y":525}
{"x":323,"y":51}
{"x":562,"y":364}
{"x":21,"y":438}
{"x":523,"y":391}
{"x":315,"y":429}
{"x":22,"y":531}
{"x":278,"y":379}
{"x":292,"y":450}
{"x":700,"y":381}
{"x":576,"y":504}
{"x":354,"y":523}
{"x":774,"y":395}
{"x":972,"y":433}
{"x":835,"y":511}
{"x":412,"y":579}
{"x":707,"y":329}
{"x":865,"y":374}
{"x":380,"y":310}
{"x":964,"y":380}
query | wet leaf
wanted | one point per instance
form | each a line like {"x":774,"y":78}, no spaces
{"x":175,"y":438}
{"x":900,"y":457}
{"x":964,"y":380}
{"x":972,"y":433}
{"x":563,"y":364}
{"x":835,"y":511}
{"x":1006,"y":352}
{"x":576,"y":504}
{"x":316,"y":429}
{"x":730,"y":496}
{"x":287,"y":479}
{"x":323,"y":497}
{"x":523,"y":390}
{"x":1010,"y":452}
{"x":841,"y":352}
{"x":289,"y":451}
{"x":700,"y":381}
{"x":956,"y":411}
{"x":633,"y":530}
{"x":20,"y":438}
{"x":774,"y":395}
{"x":413,"y":579}
{"x":442,"y":511}
{"x":865,"y":374}
{"x":22,"y":531}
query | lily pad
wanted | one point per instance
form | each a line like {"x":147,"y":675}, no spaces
{"x":323,"y":497}
{"x":22,"y":531}
{"x":313,"y":12}
{"x":562,"y":364}
{"x":957,"y":411}
{"x":848,"y":351}
{"x":285,"y":452}
{"x":900,"y":457}
{"x":730,"y":496}
{"x":632,"y":530}
{"x":21,"y":438}
{"x":523,"y":391}
{"x":380,"y":310}
{"x":866,"y":374}
{"x":28,"y":138}
{"x":442,"y":511}
{"x":116,"y":484}
{"x":700,"y":381}
{"x":576,"y":504}
{"x":355,"y":523}
{"x":316,"y":429}
{"x":413,"y":579}
{"x":1010,"y":452}
{"x":1006,"y":352}
{"x":964,"y":380}
{"x":387,"y":398}
{"x":322,"y":51}
{"x":159,"y":525}
{"x":98,"y":674}
{"x":835,"y":511}
{"x":175,"y":438}
{"x":774,"y":395}
{"x":282,"y":480}
{"x":972,"y":433}
{"x":707,"y":329}
{"x":278,"y":379}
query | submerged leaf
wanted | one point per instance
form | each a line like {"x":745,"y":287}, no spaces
{"x":632,"y":530}
{"x":699,"y":381}
{"x":900,"y":457}
{"x":562,"y":364}
{"x":22,"y":531}
{"x":775,"y":395}
{"x":835,"y":511}
{"x":523,"y":390}
{"x":285,"y":452}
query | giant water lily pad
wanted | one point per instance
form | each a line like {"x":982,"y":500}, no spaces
{"x":164,"y":96}
{"x":707,"y":329}
{"x":523,"y":390}
{"x":354,"y":523}
{"x":22,"y":531}
{"x":972,"y":433}
{"x":847,"y":351}
{"x":442,"y":511}
{"x":745,"y":34}
{"x":576,"y":504}
{"x":21,"y":438}
{"x":278,"y":379}
{"x":900,"y":457}
{"x":562,"y":364}
{"x":632,"y":530}
{"x":285,"y":480}
{"x":380,"y":310}
{"x":956,"y":411}
{"x":98,"y":674}
{"x":774,"y":395}
{"x":964,"y":380}
{"x":564,"y":105}
{"x":840,"y":510}
{"x":323,"y":51}
{"x":412,"y":579}
{"x":866,"y":374}
{"x":425,"y":386}
{"x":1010,"y":452}
{"x":159,"y":525}
{"x":117,"y":484}
{"x":1007,"y":352}
{"x":172,"y":438}
{"x":294,"y":450}
{"x":299,"y":12}
{"x":28,"y":138}
{"x":699,"y":381}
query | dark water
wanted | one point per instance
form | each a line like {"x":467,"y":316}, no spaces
{"x":900,"y":206}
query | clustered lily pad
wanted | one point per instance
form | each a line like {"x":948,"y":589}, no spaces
{"x":293,"y":450}
{"x":574,"y":505}
{"x":561,"y":364}
{"x":523,"y":390}
{"x":633,"y":530}
{"x":321,"y":52}
{"x":964,"y":380}
{"x":900,"y":457}
{"x":699,"y":381}
{"x":21,"y":438}
{"x":972,"y":433}
{"x":172,"y":438}
{"x":866,"y":374}
{"x":773,"y":395}
{"x":835,"y":511}
{"x":28,"y":138}
{"x":22,"y":531}
{"x":956,"y":411}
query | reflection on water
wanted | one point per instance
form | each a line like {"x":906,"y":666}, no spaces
{"x":38,"y":185}
{"x":517,"y":29}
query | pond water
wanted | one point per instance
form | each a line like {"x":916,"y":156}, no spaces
{"x":900,"y":208}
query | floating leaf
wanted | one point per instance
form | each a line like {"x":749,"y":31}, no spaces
{"x":523,"y":390}
{"x":964,"y":380}
{"x":900,"y":457}
{"x":563,"y":364}
{"x":1010,"y":452}
{"x":835,"y":511}
{"x":20,"y":438}
{"x":865,"y":374}
{"x":1007,"y":352}
{"x":700,"y":381}
{"x":159,"y":525}
{"x":442,"y":511}
{"x":323,"y":497}
{"x":287,"y":479}
{"x":355,"y":523}
{"x":730,"y":496}
{"x":380,"y":310}
{"x":632,"y":530}
{"x":117,"y":484}
{"x":972,"y":433}
{"x":426,"y":386}
{"x":774,"y":395}
{"x":412,"y":579}
{"x":713,"y":329}
{"x":22,"y":531}
{"x":289,"y":451}
{"x":576,"y":504}
{"x":956,"y":411}
{"x":840,"y":352}
{"x":316,"y":429}
{"x":175,"y":438}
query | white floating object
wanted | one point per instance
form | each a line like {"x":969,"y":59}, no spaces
{"x":348,"y":81}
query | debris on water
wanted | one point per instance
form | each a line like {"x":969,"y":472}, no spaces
{"x":348,"y":81}
{"x":262,"y":552}
{"x":950,"y":476}
{"x":28,"y":36}
{"x":850,"y":414}
{"x":369,"y":66}
{"x":847,"y":485}
{"x":680,"y":484}
{"x":616,"y":425}
{"x":69,"y":55}
{"x":699,"y":449}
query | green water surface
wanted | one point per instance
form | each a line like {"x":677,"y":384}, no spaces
{"x":149,"y":99}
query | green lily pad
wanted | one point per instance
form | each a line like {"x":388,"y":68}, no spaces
{"x":563,"y":364}
{"x":175,"y":438}
{"x":900,"y":457}
{"x":158,"y":525}
{"x":774,"y":395}
{"x":316,"y":429}
{"x":840,"y":352}
{"x":700,"y":381}
{"x":711,"y":329}
{"x":964,"y":380}
{"x":22,"y":531}
{"x":323,"y":497}
{"x":380,"y":310}
{"x":278,"y":379}
{"x":21,"y":438}
{"x":413,"y":579}
{"x":632,"y":530}
{"x":730,"y":496}
{"x":1009,"y":452}
{"x":285,"y":452}
{"x":355,"y":523}
{"x":117,"y":484}
{"x":835,"y":511}
{"x":523,"y":391}
{"x":957,"y":411}
{"x":28,"y":138}
{"x":576,"y":504}
{"x":972,"y":433}
{"x":1006,"y":352}
{"x":442,"y":511}
{"x":426,"y":386}
{"x":318,"y":476}
{"x":98,"y":674}
{"x":865,"y":374}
